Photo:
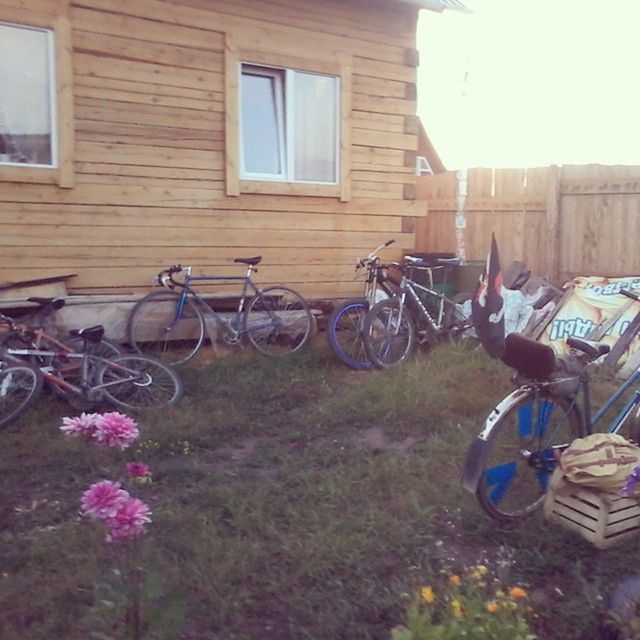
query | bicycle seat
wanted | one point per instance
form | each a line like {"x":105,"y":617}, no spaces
{"x":90,"y":334}
{"x":252,"y":261}
{"x":48,"y":303}
{"x":593,"y":350}
{"x":532,"y":359}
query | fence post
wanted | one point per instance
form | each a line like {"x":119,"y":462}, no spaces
{"x":554,"y":195}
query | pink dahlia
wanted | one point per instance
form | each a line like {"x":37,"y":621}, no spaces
{"x":82,"y":426}
{"x":138,"y":470}
{"x":103,"y":499}
{"x":129,"y":520}
{"x":115,"y":430}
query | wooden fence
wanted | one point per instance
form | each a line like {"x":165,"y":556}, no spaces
{"x":561,"y":221}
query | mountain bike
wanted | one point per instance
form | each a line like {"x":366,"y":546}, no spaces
{"x":346,"y":322}
{"x":83,"y":378}
{"x":509,"y":463}
{"x":170,"y":324}
{"x":416,"y":313}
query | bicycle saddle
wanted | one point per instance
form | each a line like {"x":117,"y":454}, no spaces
{"x":532,"y":359}
{"x":592,"y":350}
{"x":253,"y":261}
{"x":45,"y":303}
{"x":90,"y":334}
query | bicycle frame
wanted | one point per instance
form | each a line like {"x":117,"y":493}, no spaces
{"x":409,"y":289}
{"x":65,"y":352}
{"x":233,"y":325}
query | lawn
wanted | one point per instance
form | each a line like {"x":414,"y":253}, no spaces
{"x":292,"y":499}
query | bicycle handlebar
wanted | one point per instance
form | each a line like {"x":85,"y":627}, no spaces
{"x":363,"y":262}
{"x":165,"y":277}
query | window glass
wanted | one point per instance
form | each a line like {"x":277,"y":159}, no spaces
{"x":262,"y":122}
{"x":315,"y":127}
{"x":26,"y":109}
{"x":289,"y":125}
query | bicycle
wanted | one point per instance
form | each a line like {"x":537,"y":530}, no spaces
{"x":509,"y":463}
{"x":170,"y":324}
{"x":345,"y":325}
{"x":130,"y":381}
{"x":415,"y":313}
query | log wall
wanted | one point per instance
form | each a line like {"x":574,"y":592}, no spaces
{"x":149,"y":186}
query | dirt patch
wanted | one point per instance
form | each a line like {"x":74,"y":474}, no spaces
{"x":377,"y":438}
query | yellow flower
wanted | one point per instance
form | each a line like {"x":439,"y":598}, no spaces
{"x":427,"y":594}
{"x":454,"y":580}
{"x":492,"y":607}
{"x":517,"y":592}
{"x":456,"y":607}
{"x":478,"y":572}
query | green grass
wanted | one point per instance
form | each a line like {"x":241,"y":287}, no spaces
{"x":292,"y":499}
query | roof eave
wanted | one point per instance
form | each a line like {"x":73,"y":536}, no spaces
{"x":438,"y":5}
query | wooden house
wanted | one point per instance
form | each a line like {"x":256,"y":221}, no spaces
{"x":135,"y":134}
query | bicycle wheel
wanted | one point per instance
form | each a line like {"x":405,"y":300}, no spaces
{"x":344,"y":333}
{"x":157,"y":328}
{"x":388,"y":335}
{"x":278,"y":321}
{"x":521,"y":453}
{"x":20,"y":386}
{"x":138,"y":382}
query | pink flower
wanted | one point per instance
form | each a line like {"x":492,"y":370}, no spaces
{"x":129,"y":520}
{"x":103,"y":499}
{"x":115,"y":430}
{"x":139,"y":471}
{"x":83,"y":426}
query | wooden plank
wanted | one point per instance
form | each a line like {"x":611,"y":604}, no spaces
{"x":135,"y":70}
{"x":382,"y":139}
{"x":124,"y":217}
{"x":65,"y":95}
{"x":110,"y":23}
{"x":554,"y":196}
{"x":72,"y":257}
{"x":232,"y":125}
{"x":130,"y":86}
{"x":162,"y":236}
{"x":146,"y":156}
{"x":398,"y":106}
{"x":578,"y":186}
{"x":127,"y":48}
{"x":346,"y":127}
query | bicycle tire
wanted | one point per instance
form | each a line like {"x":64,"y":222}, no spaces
{"x":103,"y":349}
{"x":278,"y":321}
{"x":159,"y":384}
{"x":514,"y":474}
{"x":151,"y":329}
{"x":344,"y":334}
{"x":387,"y":343}
{"x":20,"y":387}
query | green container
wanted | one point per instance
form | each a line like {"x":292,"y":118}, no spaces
{"x":468,"y":276}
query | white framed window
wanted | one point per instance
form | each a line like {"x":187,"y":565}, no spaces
{"x":28,"y":97}
{"x":289,"y":125}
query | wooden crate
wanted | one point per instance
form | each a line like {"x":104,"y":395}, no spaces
{"x":602,"y":517}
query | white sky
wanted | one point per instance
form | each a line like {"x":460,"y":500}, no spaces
{"x":548,"y":82}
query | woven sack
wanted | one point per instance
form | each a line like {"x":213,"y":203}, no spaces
{"x":600,"y":461}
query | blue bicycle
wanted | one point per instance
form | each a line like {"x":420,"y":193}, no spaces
{"x":170,"y":324}
{"x":509,"y":463}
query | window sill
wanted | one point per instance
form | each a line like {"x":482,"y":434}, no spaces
{"x":37,"y":175}
{"x":290,"y":188}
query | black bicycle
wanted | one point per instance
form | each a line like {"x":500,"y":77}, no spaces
{"x":417,"y":313}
